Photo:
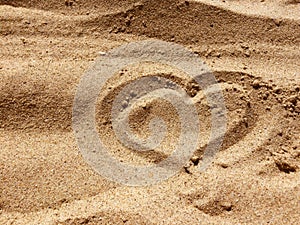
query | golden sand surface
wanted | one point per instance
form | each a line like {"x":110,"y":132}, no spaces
{"x":252,"y":47}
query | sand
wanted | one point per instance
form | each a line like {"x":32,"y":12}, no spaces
{"x":252,"y":47}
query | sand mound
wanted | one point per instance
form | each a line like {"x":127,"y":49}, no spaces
{"x":47,"y":46}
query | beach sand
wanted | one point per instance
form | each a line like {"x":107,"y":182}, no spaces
{"x":252,"y":47}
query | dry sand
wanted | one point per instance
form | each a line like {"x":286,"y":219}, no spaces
{"x":253,"y":49}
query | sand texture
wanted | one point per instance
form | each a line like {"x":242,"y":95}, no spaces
{"x":253,"y":49}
